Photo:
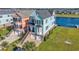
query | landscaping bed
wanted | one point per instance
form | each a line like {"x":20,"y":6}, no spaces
{"x":11,"y":46}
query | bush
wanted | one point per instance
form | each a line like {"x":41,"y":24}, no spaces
{"x":30,"y":46}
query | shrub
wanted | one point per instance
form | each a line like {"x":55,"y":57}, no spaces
{"x":30,"y":46}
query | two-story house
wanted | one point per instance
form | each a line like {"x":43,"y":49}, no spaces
{"x":41,"y":22}
{"x":21,"y":18}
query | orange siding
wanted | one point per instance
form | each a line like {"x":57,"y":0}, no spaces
{"x":25,"y":22}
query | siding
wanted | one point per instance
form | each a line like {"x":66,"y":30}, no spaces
{"x":36,"y":18}
{"x":50,"y":23}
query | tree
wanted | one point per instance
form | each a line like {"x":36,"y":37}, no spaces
{"x":30,"y":46}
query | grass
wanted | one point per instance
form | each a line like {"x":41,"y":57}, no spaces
{"x":3,"y":31}
{"x":57,"y":38}
{"x":68,"y":15}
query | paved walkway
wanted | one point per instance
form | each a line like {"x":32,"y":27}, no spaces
{"x":30,"y":38}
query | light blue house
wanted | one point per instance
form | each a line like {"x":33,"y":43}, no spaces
{"x":6,"y":17}
{"x":41,"y":22}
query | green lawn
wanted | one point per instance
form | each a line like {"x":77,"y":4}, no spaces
{"x":3,"y":31}
{"x":68,"y":15}
{"x":57,"y":38}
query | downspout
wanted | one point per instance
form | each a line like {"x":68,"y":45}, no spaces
{"x":35,"y":28}
{"x":54,"y":14}
{"x":42,"y":30}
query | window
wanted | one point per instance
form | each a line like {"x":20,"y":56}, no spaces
{"x":32,"y":19}
{"x":47,"y":27}
{"x":33,"y":29}
{"x":20,"y":26}
{"x":38,"y":21}
{"x":46,"y":20}
{"x":8,"y":15}
{"x":0,"y":16}
{"x":12,"y":23}
{"x":11,"y":19}
{"x":7,"y":20}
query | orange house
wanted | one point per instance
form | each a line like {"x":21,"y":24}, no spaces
{"x":22,"y":23}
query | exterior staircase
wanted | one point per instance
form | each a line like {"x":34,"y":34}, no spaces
{"x":24,"y":39}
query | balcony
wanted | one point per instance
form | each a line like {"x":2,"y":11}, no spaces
{"x":36,"y":22}
{"x":31,"y":22}
{"x":19,"y":19}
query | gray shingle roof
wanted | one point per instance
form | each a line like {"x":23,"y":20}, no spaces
{"x":25,"y":12}
{"x":43,"y":13}
{"x":6,"y":11}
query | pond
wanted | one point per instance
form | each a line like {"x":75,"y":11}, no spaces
{"x":67,"y":21}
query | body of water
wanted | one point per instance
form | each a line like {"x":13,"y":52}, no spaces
{"x":67,"y":21}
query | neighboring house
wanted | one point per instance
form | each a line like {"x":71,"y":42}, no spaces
{"x":6,"y":18}
{"x":41,"y":21}
{"x":21,"y":20}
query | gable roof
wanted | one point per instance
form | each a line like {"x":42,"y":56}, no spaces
{"x":24,"y":12}
{"x":43,"y":13}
